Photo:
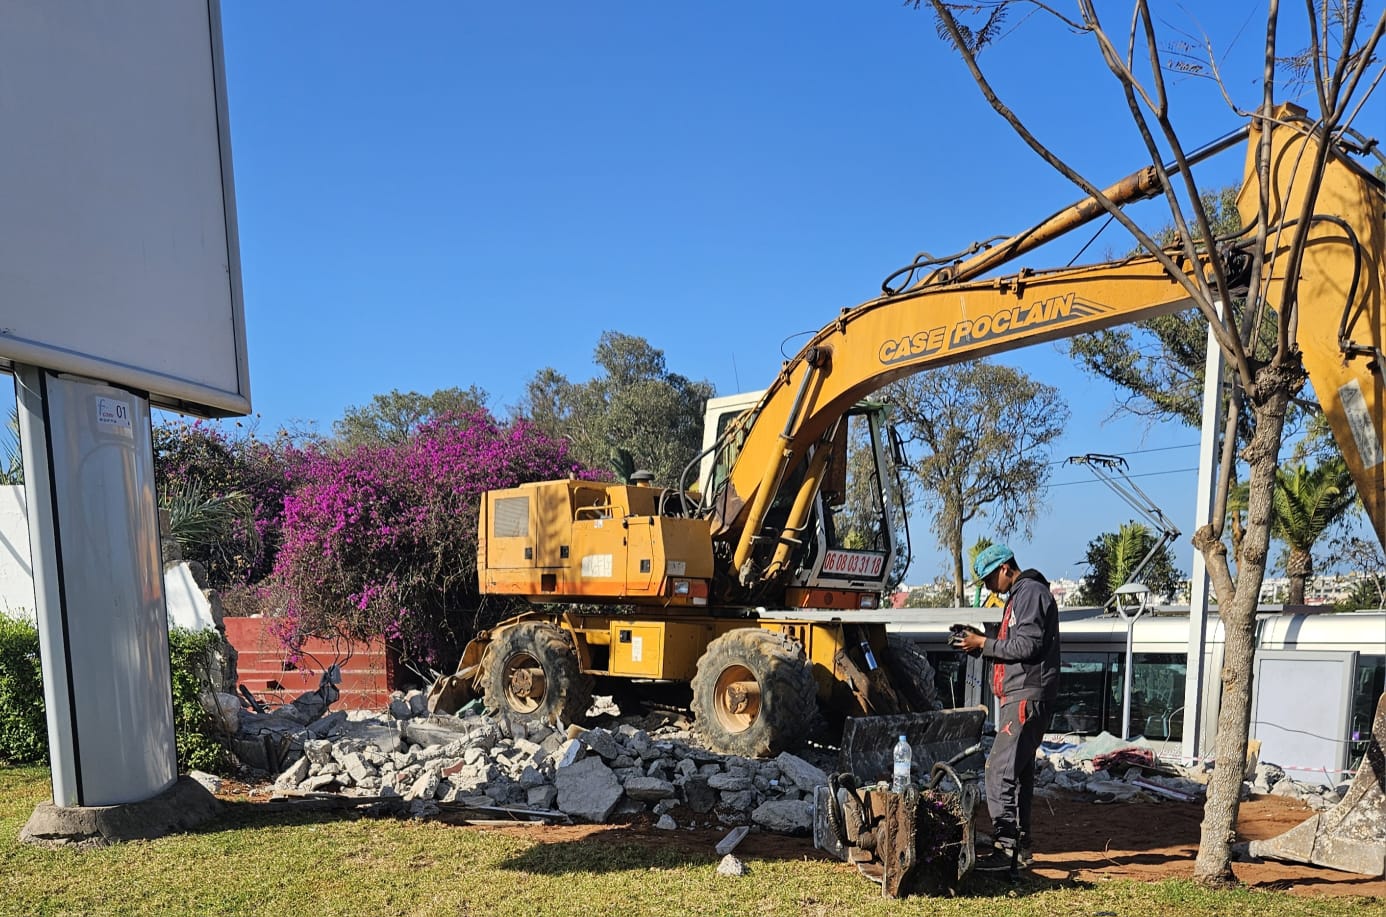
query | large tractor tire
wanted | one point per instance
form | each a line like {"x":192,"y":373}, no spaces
{"x":753,"y":694}
{"x":531,"y":673}
{"x":912,"y":674}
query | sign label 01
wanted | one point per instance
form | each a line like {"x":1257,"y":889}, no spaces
{"x":113,"y":416}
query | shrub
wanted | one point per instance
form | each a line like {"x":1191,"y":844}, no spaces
{"x":194,"y":730}
{"x":381,"y":539}
{"x":23,"y":728}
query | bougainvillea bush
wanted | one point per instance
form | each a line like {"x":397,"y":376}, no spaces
{"x":382,"y":539}
{"x":203,"y":458}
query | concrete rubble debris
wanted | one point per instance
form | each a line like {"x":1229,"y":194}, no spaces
{"x":734,"y":837}
{"x":731,"y":866}
{"x":622,"y":770}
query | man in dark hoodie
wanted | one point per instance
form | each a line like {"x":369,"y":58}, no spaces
{"x":1025,"y":681}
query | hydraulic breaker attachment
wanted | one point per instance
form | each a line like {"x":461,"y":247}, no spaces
{"x":1350,"y":836}
{"x":921,"y":841}
{"x":935,"y":735}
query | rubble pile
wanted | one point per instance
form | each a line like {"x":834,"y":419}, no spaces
{"x":1109,"y":769}
{"x":484,"y":762}
{"x":627,"y":768}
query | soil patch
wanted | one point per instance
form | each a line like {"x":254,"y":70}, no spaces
{"x":1075,"y":840}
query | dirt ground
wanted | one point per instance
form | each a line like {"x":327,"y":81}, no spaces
{"x":1075,"y":840}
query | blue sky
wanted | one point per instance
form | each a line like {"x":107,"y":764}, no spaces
{"x":449,"y":194}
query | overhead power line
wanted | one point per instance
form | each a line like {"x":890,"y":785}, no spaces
{"x":1148,"y":474}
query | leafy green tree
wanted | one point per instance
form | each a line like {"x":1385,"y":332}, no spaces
{"x":1158,"y":363}
{"x":635,"y":414}
{"x":392,"y":418}
{"x":937,"y":594}
{"x":1112,"y":556}
{"x":982,"y":431}
{"x":1369,"y":593}
{"x":1308,"y":501}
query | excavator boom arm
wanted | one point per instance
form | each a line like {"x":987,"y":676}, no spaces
{"x":935,"y":324}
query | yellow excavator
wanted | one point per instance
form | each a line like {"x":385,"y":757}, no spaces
{"x":756,"y":590}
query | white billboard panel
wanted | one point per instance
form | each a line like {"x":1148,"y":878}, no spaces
{"x":118,"y":250}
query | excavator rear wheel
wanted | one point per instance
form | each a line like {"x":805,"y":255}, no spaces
{"x":532,"y":674}
{"x":753,"y":694}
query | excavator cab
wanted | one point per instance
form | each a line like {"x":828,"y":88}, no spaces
{"x":852,"y":545}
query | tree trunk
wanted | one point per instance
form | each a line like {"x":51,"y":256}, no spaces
{"x":1299,"y":566}
{"x":1237,"y":609}
{"x":955,"y":547}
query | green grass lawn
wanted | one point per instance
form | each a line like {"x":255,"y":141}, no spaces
{"x":258,"y":862}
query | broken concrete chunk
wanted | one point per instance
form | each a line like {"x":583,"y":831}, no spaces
{"x":601,"y":742}
{"x":588,"y":790}
{"x":356,"y":768}
{"x":211,"y":782}
{"x":320,"y":783}
{"x":568,"y":753}
{"x":648,"y":789}
{"x":729,"y":782}
{"x":425,"y":786}
{"x":734,"y":836}
{"x":731,"y":866}
{"x":698,"y":796}
{"x":542,"y":797}
{"x":666,"y":823}
{"x":434,"y":730}
{"x":800,"y":772}
{"x":318,"y":751}
{"x":785,"y":816}
{"x":738,"y":800}
{"x":296,"y":774}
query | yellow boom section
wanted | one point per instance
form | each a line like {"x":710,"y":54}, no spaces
{"x":934,"y":325}
{"x":1339,"y":297}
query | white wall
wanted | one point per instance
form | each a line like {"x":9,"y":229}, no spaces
{"x":187,"y":606}
{"x":16,"y":573}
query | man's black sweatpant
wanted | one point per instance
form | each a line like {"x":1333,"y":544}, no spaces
{"x":1011,"y":769}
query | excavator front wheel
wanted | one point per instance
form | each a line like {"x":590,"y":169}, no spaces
{"x":753,"y":694}
{"x":912,"y":674}
{"x":532,"y":673}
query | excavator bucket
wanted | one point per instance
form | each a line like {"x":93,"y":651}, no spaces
{"x":868,"y":742}
{"x":1350,"y":836}
{"x":921,"y":840}
{"x":450,"y":693}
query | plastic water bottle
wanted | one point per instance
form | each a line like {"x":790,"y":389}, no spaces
{"x":901,"y":777}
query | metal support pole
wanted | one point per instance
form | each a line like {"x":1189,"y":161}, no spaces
{"x":1141,"y":594}
{"x":1203,"y":514}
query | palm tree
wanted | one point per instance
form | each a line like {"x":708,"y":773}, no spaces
{"x":1113,"y":556}
{"x":1307,"y":501}
{"x":11,"y":459}
{"x":197,"y":520}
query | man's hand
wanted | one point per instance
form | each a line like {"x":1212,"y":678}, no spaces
{"x":966,"y":638}
{"x":970,"y":642}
